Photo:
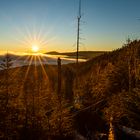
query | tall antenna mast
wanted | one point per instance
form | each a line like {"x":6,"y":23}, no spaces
{"x":77,"y":53}
{"x":78,"y":33}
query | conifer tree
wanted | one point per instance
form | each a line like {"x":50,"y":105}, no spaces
{"x":6,"y":64}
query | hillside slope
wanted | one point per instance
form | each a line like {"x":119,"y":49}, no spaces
{"x":113,"y":79}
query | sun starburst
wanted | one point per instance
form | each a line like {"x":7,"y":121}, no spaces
{"x":35,"y":48}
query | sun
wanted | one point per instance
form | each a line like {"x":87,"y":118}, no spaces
{"x":35,"y":48}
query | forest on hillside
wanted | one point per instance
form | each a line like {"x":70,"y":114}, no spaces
{"x":34,"y":105}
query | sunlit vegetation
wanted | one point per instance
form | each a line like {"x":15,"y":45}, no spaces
{"x":107,"y":87}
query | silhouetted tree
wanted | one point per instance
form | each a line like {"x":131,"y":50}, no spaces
{"x":6,"y":64}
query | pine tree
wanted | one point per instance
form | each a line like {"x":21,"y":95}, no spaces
{"x":6,"y":64}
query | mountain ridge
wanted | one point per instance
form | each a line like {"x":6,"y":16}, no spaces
{"x":82,"y":54}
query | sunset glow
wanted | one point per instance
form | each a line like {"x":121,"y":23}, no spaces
{"x":35,"y":48}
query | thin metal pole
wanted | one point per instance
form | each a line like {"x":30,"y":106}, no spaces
{"x":78,"y":40}
{"x":78,"y":31}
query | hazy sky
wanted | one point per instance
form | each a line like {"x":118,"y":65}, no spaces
{"x":52,"y":24}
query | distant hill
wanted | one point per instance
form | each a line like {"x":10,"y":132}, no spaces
{"x":82,"y":54}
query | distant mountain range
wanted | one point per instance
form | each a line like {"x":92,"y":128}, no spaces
{"x":82,"y":54}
